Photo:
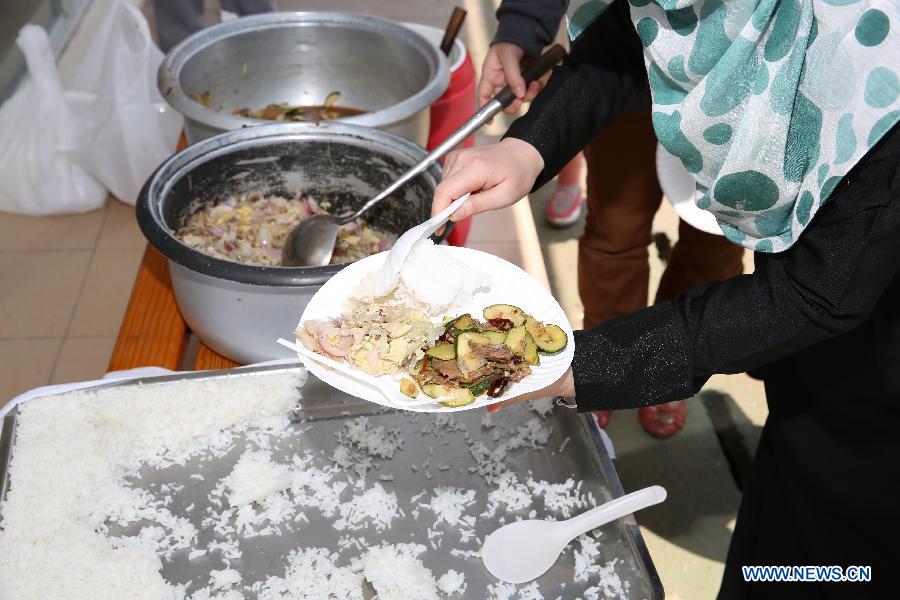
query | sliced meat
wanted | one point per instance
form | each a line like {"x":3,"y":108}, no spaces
{"x":432,"y":377}
{"x":475,"y":376}
{"x":449,"y":370}
{"x":519,"y":373}
{"x":495,"y":353}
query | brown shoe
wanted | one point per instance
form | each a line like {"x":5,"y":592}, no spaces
{"x":664,"y":420}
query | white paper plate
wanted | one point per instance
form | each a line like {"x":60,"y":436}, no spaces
{"x":680,"y":188}
{"x":509,"y":285}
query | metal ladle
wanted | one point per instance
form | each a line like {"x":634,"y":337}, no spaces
{"x":311,"y":242}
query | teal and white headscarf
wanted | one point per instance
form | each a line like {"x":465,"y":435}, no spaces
{"x":768,"y":103}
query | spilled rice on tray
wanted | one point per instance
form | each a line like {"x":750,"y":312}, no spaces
{"x":76,"y":490}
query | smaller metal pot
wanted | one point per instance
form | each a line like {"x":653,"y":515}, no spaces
{"x":240,"y":310}
{"x":300,"y":57}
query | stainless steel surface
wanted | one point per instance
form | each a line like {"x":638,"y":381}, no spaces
{"x":377,"y":65}
{"x":324,"y":412}
{"x":238,"y":320}
{"x":435,"y":35}
{"x":240,"y":310}
{"x":312,"y":241}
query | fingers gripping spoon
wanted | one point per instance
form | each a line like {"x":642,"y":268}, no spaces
{"x":311,"y":243}
{"x":525,"y":550}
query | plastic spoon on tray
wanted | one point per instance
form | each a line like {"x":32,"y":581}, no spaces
{"x":393,"y":397}
{"x":311,"y":242}
{"x":525,"y":550}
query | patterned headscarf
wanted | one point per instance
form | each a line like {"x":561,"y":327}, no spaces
{"x":768,"y":103}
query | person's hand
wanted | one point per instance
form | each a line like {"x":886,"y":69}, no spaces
{"x":497,"y":175}
{"x":564,"y":386}
{"x":502,"y":67}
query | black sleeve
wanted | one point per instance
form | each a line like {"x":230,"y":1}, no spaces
{"x":593,"y":85}
{"x":529,"y":24}
{"x":826,"y":284}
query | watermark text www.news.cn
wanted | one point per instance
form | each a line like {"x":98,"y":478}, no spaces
{"x":833,"y":573}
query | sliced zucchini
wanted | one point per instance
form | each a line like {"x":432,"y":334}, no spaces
{"x":531,"y":351}
{"x":467,"y":360}
{"x":469,"y":330}
{"x":442,"y":352}
{"x":480,"y":388}
{"x":437,"y":391}
{"x":549,"y":338}
{"x":505,"y":311}
{"x":462,"y":322}
{"x":496,"y":337}
{"x":515,"y":340}
{"x":408,"y":388}
{"x":447,"y":320}
{"x":520,"y":341}
{"x":448,"y":396}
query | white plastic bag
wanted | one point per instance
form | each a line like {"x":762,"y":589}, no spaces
{"x":129,"y":129}
{"x":37,"y":177}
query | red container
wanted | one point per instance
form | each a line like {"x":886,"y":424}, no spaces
{"x":448,"y":113}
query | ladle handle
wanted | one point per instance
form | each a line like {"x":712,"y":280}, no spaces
{"x":533,"y":72}
{"x":612,"y":510}
{"x":501,"y":100}
{"x":453,"y":26}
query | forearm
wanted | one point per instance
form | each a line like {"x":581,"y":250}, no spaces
{"x":594,"y":84}
{"x":668,"y":351}
{"x":822,"y":287}
{"x":529,"y":24}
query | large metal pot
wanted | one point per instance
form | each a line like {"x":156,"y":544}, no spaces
{"x":377,"y":65}
{"x":240,"y":310}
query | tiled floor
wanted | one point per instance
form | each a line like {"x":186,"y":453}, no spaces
{"x":65,"y":284}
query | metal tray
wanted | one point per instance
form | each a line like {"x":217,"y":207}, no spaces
{"x":324,"y":412}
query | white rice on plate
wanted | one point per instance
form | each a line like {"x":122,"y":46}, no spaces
{"x":431,"y":280}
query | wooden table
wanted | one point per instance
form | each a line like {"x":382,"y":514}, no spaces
{"x":153,"y":332}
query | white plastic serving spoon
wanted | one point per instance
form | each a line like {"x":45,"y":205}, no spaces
{"x":525,"y":550}
{"x":400,"y":250}
{"x":393,"y":398}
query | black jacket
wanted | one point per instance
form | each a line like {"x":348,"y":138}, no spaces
{"x":529,"y":24}
{"x":826,"y":286}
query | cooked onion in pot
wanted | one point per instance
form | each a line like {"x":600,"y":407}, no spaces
{"x":252,"y":229}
